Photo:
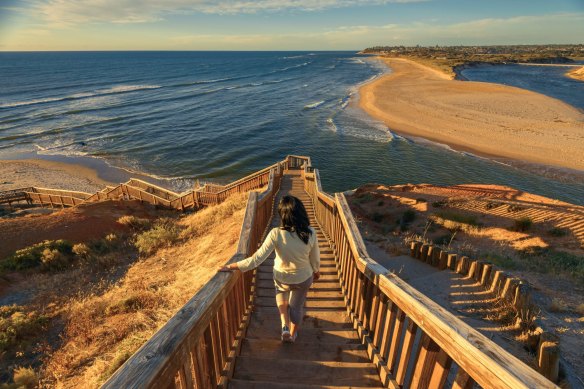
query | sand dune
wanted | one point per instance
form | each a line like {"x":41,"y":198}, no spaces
{"x":488,"y":119}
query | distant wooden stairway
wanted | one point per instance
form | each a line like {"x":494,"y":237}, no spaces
{"x":364,"y":327}
{"x":135,"y":189}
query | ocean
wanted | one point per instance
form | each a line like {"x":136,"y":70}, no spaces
{"x":216,"y":116}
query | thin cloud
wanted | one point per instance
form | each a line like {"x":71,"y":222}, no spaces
{"x":73,"y":12}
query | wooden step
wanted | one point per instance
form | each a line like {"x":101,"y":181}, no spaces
{"x":313,"y":293}
{"x":320,"y":303}
{"x":268,"y":317}
{"x":243,"y":384}
{"x":269,"y":283}
{"x":308,"y":351}
{"x":326,"y":335}
{"x":263,"y":275}
{"x":306,"y":372}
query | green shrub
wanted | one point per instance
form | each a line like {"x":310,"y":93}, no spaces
{"x":54,"y":260}
{"x":81,"y":250}
{"x":491,"y":205}
{"x":458,"y":217}
{"x":16,"y":325}
{"x":377,"y":217}
{"x":514,"y":208}
{"x":380,"y":203}
{"x":135,"y":223}
{"x":32,"y":256}
{"x":558,"y":232}
{"x":164,"y":233}
{"x":363,"y":198}
{"x":504,"y":262}
{"x":523,"y":224}
{"x":439,"y":204}
{"x":408,"y":216}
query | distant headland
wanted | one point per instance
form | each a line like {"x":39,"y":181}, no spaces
{"x":452,"y":59}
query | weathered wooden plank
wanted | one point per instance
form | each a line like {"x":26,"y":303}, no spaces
{"x":441,"y":370}
{"x":406,"y":352}
{"x":424,"y":363}
{"x":488,"y":363}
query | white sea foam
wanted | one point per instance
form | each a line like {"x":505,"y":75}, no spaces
{"x":314,"y":105}
{"x":212,"y":81}
{"x":83,"y":95}
{"x":293,"y":67}
{"x":332,"y":125}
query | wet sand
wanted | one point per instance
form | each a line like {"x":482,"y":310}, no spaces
{"x":486,"y":119}
{"x":49,"y":174}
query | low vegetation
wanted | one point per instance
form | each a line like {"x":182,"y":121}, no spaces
{"x":112,"y":295}
{"x":163,"y":233}
{"x":522,"y":224}
{"x":48,"y":254}
{"x":458,"y":217}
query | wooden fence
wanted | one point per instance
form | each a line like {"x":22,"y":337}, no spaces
{"x":544,"y":343}
{"x":197,"y":344}
{"x":44,"y":197}
{"x":413,"y":341}
{"x":136,"y":189}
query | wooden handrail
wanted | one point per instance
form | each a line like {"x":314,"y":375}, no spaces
{"x":195,"y":346}
{"x":170,"y":195}
{"x":412,"y":340}
{"x":389,"y":314}
{"x":70,"y":193}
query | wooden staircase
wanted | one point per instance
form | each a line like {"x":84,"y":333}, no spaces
{"x":327,"y":352}
{"x":363,"y":327}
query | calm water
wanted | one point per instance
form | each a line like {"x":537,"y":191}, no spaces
{"x":180,"y":116}
{"x":549,"y":80}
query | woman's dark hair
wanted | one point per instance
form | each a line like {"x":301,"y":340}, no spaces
{"x":293,"y":217}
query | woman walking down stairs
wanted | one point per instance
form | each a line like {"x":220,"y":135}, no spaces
{"x":229,"y":333}
{"x":327,"y":353}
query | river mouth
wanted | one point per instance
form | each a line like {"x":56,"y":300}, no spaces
{"x":178,"y":117}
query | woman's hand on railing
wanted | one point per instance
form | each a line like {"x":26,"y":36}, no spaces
{"x":230,"y":267}
{"x":315,"y":276}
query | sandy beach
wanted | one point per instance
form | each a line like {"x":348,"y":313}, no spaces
{"x":576,"y":74}
{"x":487,"y":119}
{"x":49,"y":174}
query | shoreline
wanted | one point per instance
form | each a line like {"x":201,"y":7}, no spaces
{"x":418,"y":101}
{"x":19,"y":173}
{"x":85,"y":174}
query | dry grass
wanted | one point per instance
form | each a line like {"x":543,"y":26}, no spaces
{"x":103,"y":329}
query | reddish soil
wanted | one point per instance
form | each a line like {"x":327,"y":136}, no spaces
{"x":79,"y":224}
{"x":487,"y":229}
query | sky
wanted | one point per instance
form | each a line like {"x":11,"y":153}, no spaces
{"x":57,"y":25}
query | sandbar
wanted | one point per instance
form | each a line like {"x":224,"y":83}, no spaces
{"x":576,"y":74}
{"x":484,"y":118}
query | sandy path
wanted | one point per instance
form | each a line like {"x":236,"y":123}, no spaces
{"x":487,"y":119}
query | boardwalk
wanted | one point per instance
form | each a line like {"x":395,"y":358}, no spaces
{"x":363,"y":327}
{"x":328,"y":350}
